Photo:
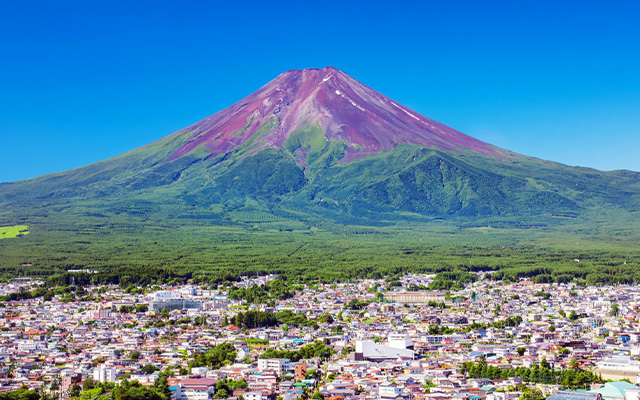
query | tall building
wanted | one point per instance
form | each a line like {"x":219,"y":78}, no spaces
{"x":104,"y":374}
{"x":300,"y":370}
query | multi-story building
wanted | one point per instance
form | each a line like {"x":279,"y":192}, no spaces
{"x":278,"y":365}
{"x":197,"y":389}
{"x":104,"y":374}
{"x":419,"y":297}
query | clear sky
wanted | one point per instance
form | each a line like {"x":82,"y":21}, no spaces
{"x":84,"y":81}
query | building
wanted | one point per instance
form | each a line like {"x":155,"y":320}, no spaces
{"x":253,"y":396}
{"x":574,"y":395}
{"x":419,"y":297}
{"x":389,"y":391}
{"x":102,"y":313}
{"x":67,"y":382}
{"x":619,"y":367}
{"x":104,"y":374}
{"x":300,"y":371}
{"x":370,"y":350}
{"x":176,"y":304}
{"x":400,"y":341}
{"x":617,"y":391}
{"x":278,"y":365}
{"x":197,"y":389}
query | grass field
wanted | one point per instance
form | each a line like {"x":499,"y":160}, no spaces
{"x":7,"y":232}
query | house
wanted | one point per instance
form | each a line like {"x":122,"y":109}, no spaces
{"x":389,"y":391}
{"x":197,"y":389}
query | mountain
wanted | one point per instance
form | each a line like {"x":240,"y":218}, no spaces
{"x":350,"y":115}
{"x":316,"y":151}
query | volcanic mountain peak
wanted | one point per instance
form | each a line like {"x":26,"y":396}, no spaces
{"x":343,"y":109}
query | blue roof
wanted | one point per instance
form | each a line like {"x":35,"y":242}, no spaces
{"x":614,"y":390}
{"x":572,"y":395}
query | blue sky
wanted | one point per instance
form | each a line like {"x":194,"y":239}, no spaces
{"x":84,"y":81}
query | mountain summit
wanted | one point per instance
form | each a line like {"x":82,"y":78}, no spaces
{"x":343,"y":109}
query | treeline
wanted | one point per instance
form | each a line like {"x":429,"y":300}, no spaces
{"x":311,"y":350}
{"x":452,"y":280}
{"x":586,"y":274}
{"x":262,"y":319}
{"x":454,"y":267}
{"x":252,"y":319}
{"x":20,"y":394}
{"x":509,"y":321}
{"x":128,"y":390}
{"x":277,"y":289}
{"x":215,"y":357}
{"x":67,"y":293}
{"x":538,"y":373}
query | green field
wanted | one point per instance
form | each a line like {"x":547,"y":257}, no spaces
{"x":7,"y":232}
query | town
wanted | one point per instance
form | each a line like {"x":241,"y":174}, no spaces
{"x":365,"y":339}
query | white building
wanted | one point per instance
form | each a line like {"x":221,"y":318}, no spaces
{"x":252,"y":396}
{"x":389,"y":391}
{"x":279,"y":365}
{"x":197,"y":389}
{"x":619,"y":367}
{"x":199,"y":370}
{"x":104,"y":374}
{"x":400,"y":341}
{"x":369,"y":350}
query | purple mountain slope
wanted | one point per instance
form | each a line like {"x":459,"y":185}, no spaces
{"x":367,"y":121}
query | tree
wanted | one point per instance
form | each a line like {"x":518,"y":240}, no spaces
{"x":89,"y":383}
{"x":312,"y":374}
{"x":149,"y":369}
{"x":317,"y":396}
{"x":521,"y":351}
{"x":615,"y":309}
{"x":355,"y":304}
{"x":552,"y":328}
{"x":74,"y":391}
{"x":21,"y":394}
{"x":162,"y":386}
{"x":347,"y":350}
{"x":325,"y":318}
{"x":132,"y":390}
{"x":134,"y":355}
{"x":215,"y":357}
{"x":225,"y":387}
